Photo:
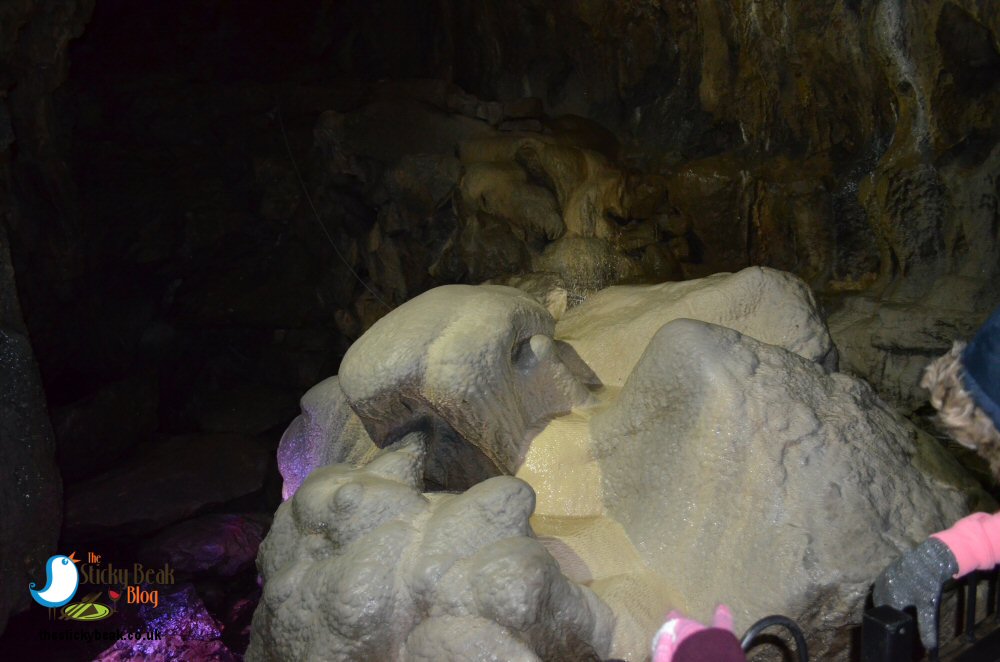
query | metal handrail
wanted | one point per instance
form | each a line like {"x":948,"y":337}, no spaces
{"x":890,"y":635}
{"x":746,"y":643}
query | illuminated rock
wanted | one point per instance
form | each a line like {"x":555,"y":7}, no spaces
{"x":360,"y":565}
{"x":686,"y":444}
{"x":476,"y":364}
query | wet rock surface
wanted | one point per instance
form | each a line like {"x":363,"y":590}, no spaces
{"x":220,"y":544}
{"x":33,"y":38}
{"x":164,"y":483}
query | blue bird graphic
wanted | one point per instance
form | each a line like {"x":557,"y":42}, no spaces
{"x":61,"y":580}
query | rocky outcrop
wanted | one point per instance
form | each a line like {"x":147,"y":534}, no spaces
{"x":360,"y":565}
{"x":612,"y":328}
{"x":471,"y":366}
{"x":164,"y":483}
{"x":30,"y":485}
{"x":779,"y":488}
{"x":33,"y":63}
{"x":701,"y":464}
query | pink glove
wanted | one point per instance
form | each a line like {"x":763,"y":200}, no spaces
{"x":684,"y":640}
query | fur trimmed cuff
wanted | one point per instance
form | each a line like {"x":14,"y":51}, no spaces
{"x":958,"y":413}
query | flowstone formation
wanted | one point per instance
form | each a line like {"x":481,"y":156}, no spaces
{"x":688,"y":443}
{"x":359,"y":565}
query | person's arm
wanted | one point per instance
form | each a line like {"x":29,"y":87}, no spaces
{"x":916,"y":578}
{"x":974,"y":541}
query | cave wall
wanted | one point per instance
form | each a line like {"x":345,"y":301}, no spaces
{"x":823,"y":121}
{"x":852,"y":143}
{"x":33,"y":39}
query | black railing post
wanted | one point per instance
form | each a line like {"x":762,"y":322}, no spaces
{"x":887,"y":635}
{"x":970,"y":607}
{"x":991,"y":594}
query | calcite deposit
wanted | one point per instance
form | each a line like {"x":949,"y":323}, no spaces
{"x":679,"y":445}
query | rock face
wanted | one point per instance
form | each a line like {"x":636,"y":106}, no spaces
{"x":779,"y":488}
{"x":30,"y":486}
{"x":480,"y":360}
{"x":550,"y":197}
{"x":167,"y":482}
{"x":326,"y":432}
{"x":864,"y":162}
{"x":611,"y":329}
{"x":710,"y":466}
{"x":360,"y":565}
{"x":33,"y":63}
{"x":219,"y":544}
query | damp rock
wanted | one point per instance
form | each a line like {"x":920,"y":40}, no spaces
{"x":223,"y":544}
{"x":163,"y":483}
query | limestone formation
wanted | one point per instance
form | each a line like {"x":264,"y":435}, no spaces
{"x":777,"y":485}
{"x":160,"y":230}
{"x":677,"y":463}
{"x":611,"y":329}
{"x":475,"y":364}
{"x":360,"y":565}
{"x":326,"y":432}
{"x":575,"y":212}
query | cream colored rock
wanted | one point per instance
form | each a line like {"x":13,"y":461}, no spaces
{"x":746,"y":473}
{"x":548,"y":289}
{"x":475,"y":365}
{"x":714,"y":465}
{"x":326,"y":432}
{"x":502,"y":190}
{"x":612,"y":328}
{"x":359,"y":565}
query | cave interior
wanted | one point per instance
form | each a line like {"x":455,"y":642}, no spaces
{"x":204,"y":203}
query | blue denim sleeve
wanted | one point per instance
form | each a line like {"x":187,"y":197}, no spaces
{"x":981,"y":367}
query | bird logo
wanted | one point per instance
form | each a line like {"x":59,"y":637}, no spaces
{"x":61,"y":580}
